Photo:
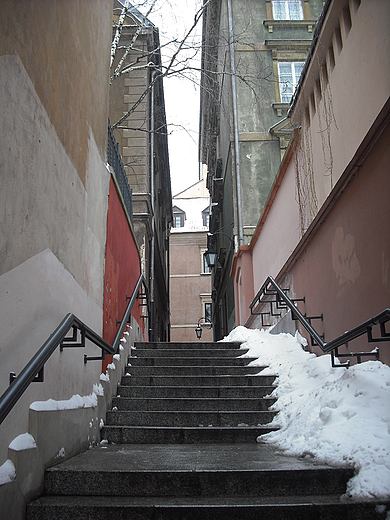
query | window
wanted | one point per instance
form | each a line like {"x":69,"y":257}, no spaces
{"x":206,"y":217}
{"x":207,"y":312}
{"x":177,"y":221}
{"x":287,"y":10}
{"x":206,"y":268}
{"x":289,"y":73}
{"x":179,"y":217}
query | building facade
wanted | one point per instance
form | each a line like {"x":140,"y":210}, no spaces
{"x":137,"y":115}
{"x":253,"y":54}
{"x":59,"y":201}
{"x":324,"y":234}
{"x":190,"y":276}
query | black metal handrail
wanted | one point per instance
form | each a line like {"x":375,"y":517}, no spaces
{"x":58,"y":337}
{"x":364,"y":328}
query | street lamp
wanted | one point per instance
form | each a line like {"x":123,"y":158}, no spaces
{"x":211,"y":257}
{"x":198,"y":330}
{"x":211,"y":253}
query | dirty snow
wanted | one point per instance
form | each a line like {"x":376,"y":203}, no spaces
{"x":334,"y":415}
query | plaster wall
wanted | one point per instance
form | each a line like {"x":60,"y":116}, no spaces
{"x":280,"y":233}
{"x":53,"y":205}
{"x":349,"y":257}
{"x":187,"y":284}
{"x":243,"y":287}
{"x":343,"y":268}
{"x":342,"y":112}
{"x":65,"y":48}
{"x":35,"y":297}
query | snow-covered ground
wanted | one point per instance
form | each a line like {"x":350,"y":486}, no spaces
{"x":335,"y":415}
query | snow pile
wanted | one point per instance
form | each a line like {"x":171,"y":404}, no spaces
{"x":25,"y":441}
{"x":7,"y":472}
{"x":337,"y":415}
{"x":76,"y":401}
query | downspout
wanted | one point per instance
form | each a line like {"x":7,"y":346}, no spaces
{"x":151,"y":319}
{"x":239,"y":240}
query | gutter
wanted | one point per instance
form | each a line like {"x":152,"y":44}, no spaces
{"x":239,"y":238}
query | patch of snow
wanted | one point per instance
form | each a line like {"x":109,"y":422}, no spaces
{"x":61,"y":454}
{"x":112,"y":366}
{"x":7,"y":472}
{"x":336,"y":415}
{"x":75,"y":402}
{"x":117,"y":357}
{"x":98,"y":389}
{"x":25,"y":441}
{"x":101,"y":424}
{"x":104,"y":377}
{"x":121,"y":348}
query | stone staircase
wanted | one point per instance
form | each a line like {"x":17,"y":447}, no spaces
{"x":181,"y":444}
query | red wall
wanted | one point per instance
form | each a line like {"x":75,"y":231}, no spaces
{"x":122,"y":268}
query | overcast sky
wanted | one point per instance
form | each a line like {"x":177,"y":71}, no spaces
{"x":174,"y":18}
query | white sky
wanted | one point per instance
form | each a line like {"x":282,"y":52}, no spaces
{"x":174,"y":18}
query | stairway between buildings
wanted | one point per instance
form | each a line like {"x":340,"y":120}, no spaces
{"x":181,"y":444}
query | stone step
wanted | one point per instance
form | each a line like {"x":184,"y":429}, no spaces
{"x":184,"y":435}
{"x":187,"y":352}
{"x":191,"y":471}
{"x":193,"y":370}
{"x":203,"y":392}
{"x":188,"y":418}
{"x":176,"y":403}
{"x":190,"y":361}
{"x":221,"y":345}
{"x":218,"y":381}
{"x":218,"y":508}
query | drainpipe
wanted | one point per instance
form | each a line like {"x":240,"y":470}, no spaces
{"x":239,"y":240}
{"x":151,"y":319}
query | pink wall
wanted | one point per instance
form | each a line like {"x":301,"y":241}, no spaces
{"x":343,"y":267}
{"x":122,"y":268}
{"x":243,"y":284}
{"x":344,"y":270}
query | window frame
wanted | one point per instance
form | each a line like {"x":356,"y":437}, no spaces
{"x":178,"y":214}
{"x":294,"y":79}
{"x":287,"y":11}
{"x":205,"y":313}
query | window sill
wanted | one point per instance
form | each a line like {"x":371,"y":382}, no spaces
{"x":309,"y":24}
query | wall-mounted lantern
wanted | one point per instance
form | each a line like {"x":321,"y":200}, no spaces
{"x":211,"y":257}
{"x":198,"y":330}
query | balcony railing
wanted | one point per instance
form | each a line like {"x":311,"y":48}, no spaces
{"x":114,"y":159}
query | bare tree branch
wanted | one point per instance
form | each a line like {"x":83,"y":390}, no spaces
{"x":118,"y":31}
{"x":130,"y":46}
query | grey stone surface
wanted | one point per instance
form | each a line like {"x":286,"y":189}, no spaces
{"x":185,"y":448}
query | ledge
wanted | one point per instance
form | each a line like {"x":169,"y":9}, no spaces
{"x":307,"y":24}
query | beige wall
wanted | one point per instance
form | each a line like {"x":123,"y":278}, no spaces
{"x":187,"y":284}
{"x":54,"y":59}
{"x":64,"y":46}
